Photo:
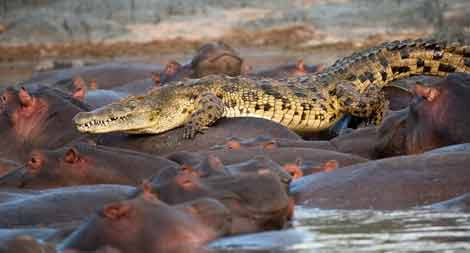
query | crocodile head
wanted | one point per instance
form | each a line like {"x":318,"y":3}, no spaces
{"x":159,"y":111}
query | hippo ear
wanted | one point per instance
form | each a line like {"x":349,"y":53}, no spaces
{"x":172,"y":67}
{"x":294,"y":170}
{"x":72,"y":155}
{"x":215,"y":163}
{"x":270,"y":144}
{"x":93,"y":85}
{"x":25,"y":98}
{"x":116,"y":211}
{"x":36,"y":161}
{"x":428,"y":92}
{"x":78,"y":82}
{"x":186,"y":168}
{"x":156,"y":78}
{"x":300,"y":66}
{"x":330,"y":165}
{"x":147,"y":190}
{"x":79,"y":93}
{"x":233,"y":144}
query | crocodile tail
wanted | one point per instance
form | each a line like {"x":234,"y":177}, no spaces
{"x":400,"y":59}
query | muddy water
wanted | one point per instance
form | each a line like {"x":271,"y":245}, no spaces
{"x":317,"y":230}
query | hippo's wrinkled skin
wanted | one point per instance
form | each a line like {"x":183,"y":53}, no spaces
{"x":392,"y":183}
{"x":212,"y":166}
{"x":144,"y":225}
{"x":285,"y":155}
{"x":173,"y":140}
{"x":39,"y":117}
{"x":358,"y":142}
{"x":62,"y":207}
{"x":84,"y":164}
{"x":244,"y":195}
{"x":436,"y":117}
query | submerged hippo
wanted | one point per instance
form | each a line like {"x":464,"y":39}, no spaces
{"x":244,"y":195}
{"x":147,"y":225}
{"x":436,"y":117}
{"x":392,"y":183}
{"x":62,"y":207}
{"x":37,"y":117}
{"x":82,"y":164}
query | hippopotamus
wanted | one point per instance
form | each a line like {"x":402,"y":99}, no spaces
{"x":39,"y":117}
{"x":244,"y":195}
{"x":390,"y":184}
{"x":216,"y":58}
{"x":357,"y":141}
{"x":436,"y":117}
{"x":289,"y":70}
{"x":285,"y":155}
{"x":107,"y":75}
{"x":62,"y":207}
{"x":84,"y":164}
{"x":210,"y":58}
{"x":94,"y":98}
{"x":146,"y":224}
{"x":173,"y":140}
{"x":212,"y":166}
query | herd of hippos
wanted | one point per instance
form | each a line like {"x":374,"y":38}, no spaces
{"x":67,"y":191}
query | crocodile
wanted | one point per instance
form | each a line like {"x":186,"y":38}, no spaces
{"x":309,"y":103}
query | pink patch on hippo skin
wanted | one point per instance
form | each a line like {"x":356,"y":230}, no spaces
{"x":300,"y":68}
{"x":93,"y":85}
{"x":294,"y":169}
{"x":330,"y":165}
{"x":233,"y":144}
{"x":186,"y":180}
{"x":427,"y":92}
{"x":116,"y":211}
{"x":272,"y":144}
{"x":215,"y":163}
{"x":79,"y":93}
{"x":27,"y":118}
{"x":156,"y":78}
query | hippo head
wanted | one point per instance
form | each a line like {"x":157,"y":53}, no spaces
{"x":40,"y":116}
{"x":216,"y":58}
{"x":76,"y":165}
{"x":140,"y":225}
{"x":436,"y":117}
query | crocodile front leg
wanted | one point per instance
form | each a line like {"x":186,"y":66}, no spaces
{"x":371,"y":104}
{"x":208,"y":109}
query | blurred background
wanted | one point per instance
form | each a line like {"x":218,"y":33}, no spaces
{"x":37,"y":35}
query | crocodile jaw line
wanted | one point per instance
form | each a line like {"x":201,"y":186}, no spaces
{"x":87,"y":122}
